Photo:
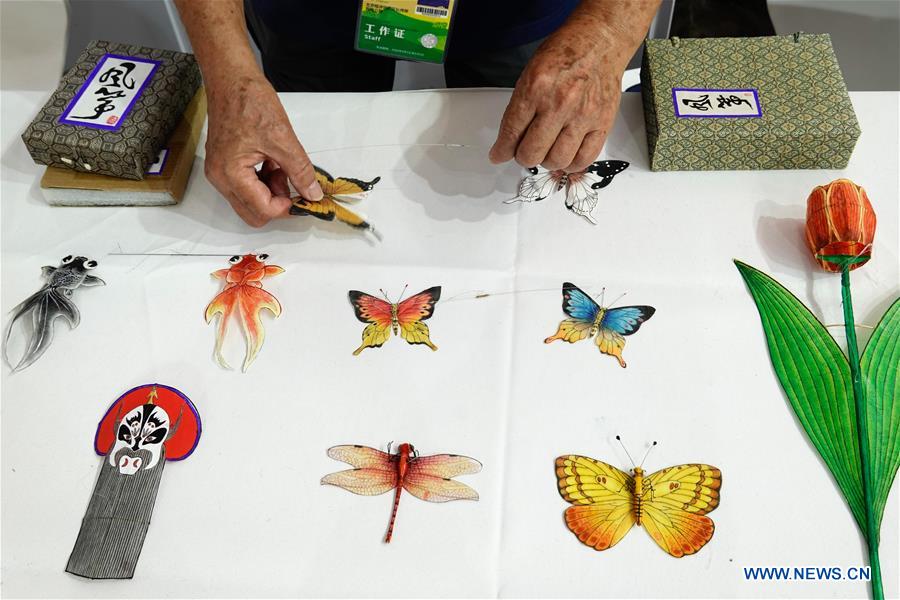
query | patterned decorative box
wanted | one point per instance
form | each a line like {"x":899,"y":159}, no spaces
{"x":165,"y":181}
{"x":113,"y":110}
{"x":777,"y":102}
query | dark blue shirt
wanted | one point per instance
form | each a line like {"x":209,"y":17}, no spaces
{"x":479,"y":24}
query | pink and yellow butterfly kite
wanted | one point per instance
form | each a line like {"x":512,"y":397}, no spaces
{"x":426,"y":477}
{"x":404,"y":317}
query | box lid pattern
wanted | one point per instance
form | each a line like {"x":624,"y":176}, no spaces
{"x":127,"y":151}
{"x":807,"y":118}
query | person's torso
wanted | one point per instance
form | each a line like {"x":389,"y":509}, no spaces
{"x":479,"y":25}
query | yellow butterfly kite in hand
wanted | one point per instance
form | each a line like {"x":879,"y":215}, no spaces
{"x":337,"y":192}
{"x":671,"y":504}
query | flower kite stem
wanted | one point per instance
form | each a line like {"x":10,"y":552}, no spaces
{"x":862,"y":428}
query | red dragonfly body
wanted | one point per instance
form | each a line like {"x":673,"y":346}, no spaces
{"x":428,"y":478}
{"x":402,"y":458}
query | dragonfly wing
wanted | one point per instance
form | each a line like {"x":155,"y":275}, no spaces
{"x":445,"y":465}
{"x":362,"y":457}
{"x":365,"y":482}
{"x":437,"y":489}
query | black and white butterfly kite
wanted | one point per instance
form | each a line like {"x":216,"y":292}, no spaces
{"x":581,"y":187}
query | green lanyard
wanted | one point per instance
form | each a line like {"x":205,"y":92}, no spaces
{"x":416,"y":30}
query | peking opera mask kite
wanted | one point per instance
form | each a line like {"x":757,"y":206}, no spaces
{"x":143,"y":429}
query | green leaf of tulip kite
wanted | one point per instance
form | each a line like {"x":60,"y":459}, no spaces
{"x":815,"y":376}
{"x":880,"y":365}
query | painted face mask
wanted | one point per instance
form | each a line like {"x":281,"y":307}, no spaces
{"x":139,"y":439}
{"x":141,"y":431}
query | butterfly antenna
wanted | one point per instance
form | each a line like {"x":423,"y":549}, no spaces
{"x":611,"y":304}
{"x":389,"y":446}
{"x":383,"y":293}
{"x":648,"y":452}
{"x":602,"y":295}
{"x":402,"y":293}
{"x":626,"y":450}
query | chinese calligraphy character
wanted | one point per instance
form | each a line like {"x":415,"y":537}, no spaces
{"x":105,"y":98}
{"x":370,"y":27}
{"x":118,"y":76}
{"x":725,"y":101}
{"x":384,"y":30}
{"x":702,"y":103}
{"x":398,"y":33}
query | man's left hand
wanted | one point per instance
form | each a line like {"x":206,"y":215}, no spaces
{"x":564,"y":102}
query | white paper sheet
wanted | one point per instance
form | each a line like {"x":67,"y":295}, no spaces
{"x":246,"y":516}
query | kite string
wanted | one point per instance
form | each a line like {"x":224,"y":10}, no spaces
{"x":436,"y":145}
{"x":164,"y":254}
{"x":480,"y":294}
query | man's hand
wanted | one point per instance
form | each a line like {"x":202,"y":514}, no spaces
{"x":248,"y":126}
{"x":566,"y":99}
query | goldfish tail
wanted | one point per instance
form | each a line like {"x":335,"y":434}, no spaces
{"x":224,"y":305}
{"x":220,"y":339}
{"x":251,"y":301}
{"x":45,"y":306}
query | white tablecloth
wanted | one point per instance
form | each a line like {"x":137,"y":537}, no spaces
{"x":245,"y":515}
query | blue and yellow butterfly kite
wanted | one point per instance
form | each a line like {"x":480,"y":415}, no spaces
{"x":589,"y":319}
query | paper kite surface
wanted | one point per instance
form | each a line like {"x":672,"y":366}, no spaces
{"x":426,"y":477}
{"x":670,"y":504}
{"x":143,"y":429}
{"x":52,"y":301}
{"x":243,"y":298}
{"x":581,"y":187}
{"x":588,"y":319}
{"x":337,"y":193}
{"x":404,"y":318}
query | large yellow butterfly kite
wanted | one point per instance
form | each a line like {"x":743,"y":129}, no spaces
{"x":671,"y":504}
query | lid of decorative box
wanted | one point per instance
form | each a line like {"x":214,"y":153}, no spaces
{"x":113,"y":110}
{"x":776,"y":102}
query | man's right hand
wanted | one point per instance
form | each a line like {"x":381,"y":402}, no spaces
{"x":248,"y":126}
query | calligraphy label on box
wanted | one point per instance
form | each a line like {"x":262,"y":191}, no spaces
{"x":109,"y":92}
{"x":715,"y":104}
